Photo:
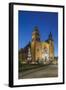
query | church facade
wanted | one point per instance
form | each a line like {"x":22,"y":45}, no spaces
{"x":38,"y":51}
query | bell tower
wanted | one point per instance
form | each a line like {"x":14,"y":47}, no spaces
{"x":35,"y":43}
{"x":35,"y":35}
{"x":51,"y":47}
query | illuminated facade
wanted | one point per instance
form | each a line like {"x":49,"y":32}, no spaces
{"x":39,"y":52}
{"x":42,"y":51}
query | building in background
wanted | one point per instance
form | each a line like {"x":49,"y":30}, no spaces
{"x":38,"y":51}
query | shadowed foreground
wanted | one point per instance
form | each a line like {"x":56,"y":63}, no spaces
{"x":40,"y":72}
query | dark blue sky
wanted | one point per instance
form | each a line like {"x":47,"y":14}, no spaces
{"x":46,"y":21}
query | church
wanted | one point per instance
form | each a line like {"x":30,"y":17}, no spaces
{"x":38,"y":51}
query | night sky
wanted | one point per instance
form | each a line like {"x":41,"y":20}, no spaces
{"x":45,"y":21}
